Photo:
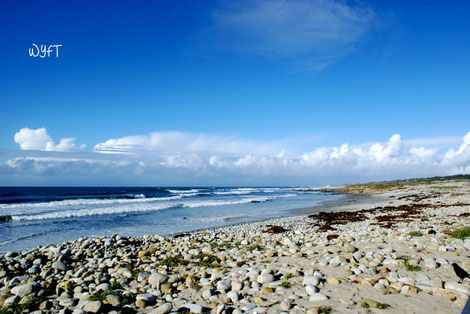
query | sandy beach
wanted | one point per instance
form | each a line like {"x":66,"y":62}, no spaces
{"x":386,"y":248}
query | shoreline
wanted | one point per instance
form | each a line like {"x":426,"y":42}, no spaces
{"x":387,"y":252}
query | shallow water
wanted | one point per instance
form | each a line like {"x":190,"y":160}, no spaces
{"x":42,"y":215}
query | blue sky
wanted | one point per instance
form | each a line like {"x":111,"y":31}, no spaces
{"x":245,"y":92}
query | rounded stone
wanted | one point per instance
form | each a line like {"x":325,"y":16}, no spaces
{"x":265,"y":278}
{"x":93,"y":307}
{"x":316,"y":297}
{"x":311,"y":281}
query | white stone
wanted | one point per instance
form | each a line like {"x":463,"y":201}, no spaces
{"x":162,"y":309}
{"x":93,"y":307}
{"x":311,"y":289}
{"x":156,"y":279}
{"x":193,"y":308}
{"x":311,"y":281}
{"x":457,"y":287}
{"x":224,"y":285}
{"x":285,"y":306}
{"x":318,"y":297}
{"x":237,"y":285}
{"x":319,"y":274}
{"x":233,"y":295}
{"x":265,"y":278}
{"x":430,"y":263}
{"x":407,"y":280}
{"x":207,"y":294}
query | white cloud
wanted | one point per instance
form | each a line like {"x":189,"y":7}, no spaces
{"x":186,"y":158}
{"x":38,"y":139}
{"x":309,"y":34}
{"x":178,"y":142}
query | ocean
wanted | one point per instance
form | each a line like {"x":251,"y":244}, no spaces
{"x":33,"y":216}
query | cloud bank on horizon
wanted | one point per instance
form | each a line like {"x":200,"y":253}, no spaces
{"x":185,"y":158}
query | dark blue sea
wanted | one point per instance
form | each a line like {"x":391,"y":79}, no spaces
{"x":33,"y":216}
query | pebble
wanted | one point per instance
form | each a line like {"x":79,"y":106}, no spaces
{"x":265,"y":278}
{"x":318,"y":297}
{"x":59,"y":266}
{"x":193,"y":308}
{"x":25,"y":289}
{"x":93,"y":307}
{"x":311,"y":281}
{"x":233,"y":296}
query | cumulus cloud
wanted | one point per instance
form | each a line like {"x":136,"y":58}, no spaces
{"x":38,"y":139}
{"x":186,"y":158}
{"x":309,"y":34}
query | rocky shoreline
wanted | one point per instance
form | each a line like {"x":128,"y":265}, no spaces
{"x":390,"y":253}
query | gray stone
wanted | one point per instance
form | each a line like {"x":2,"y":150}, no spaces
{"x":143,"y":276}
{"x":25,"y":289}
{"x":59,"y":266}
{"x":113,"y":299}
{"x":103,"y":287}
{"x":162,"y":309}
{"x":13,"y":299}
{"x":156,"y":279}
{"x":285,"y":306}
{"x":148,"y":298}
{"x":193,"y":308}
{"x":93,"y":307}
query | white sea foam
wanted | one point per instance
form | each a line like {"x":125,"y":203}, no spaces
{"x":233,"y":192}
{"x":191,"y":191}
{"x":89,"y":201}
{"x":136,"y":207}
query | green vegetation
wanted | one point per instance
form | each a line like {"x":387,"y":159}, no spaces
{"x":225,"y":245}
{"x":408,"y":266}
{"x":371,"y":303}
{"x":383,"y":306}
{"x":285,"y":284}
{"x":324,"y":310}
{"x":207,"y":260}
{"x":448,"y":187}
{"x":254,"y":247}
{"x":462,"y":233}
{"x":413,"y":268}
{"x":100,"y":296}
{"x":116,"y":285}
{"x":173,"y":261}
{"x":288,"y":275}
{"x":415,"y":234}
{"x":16,"y":308}
{"x":135,"y":271}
